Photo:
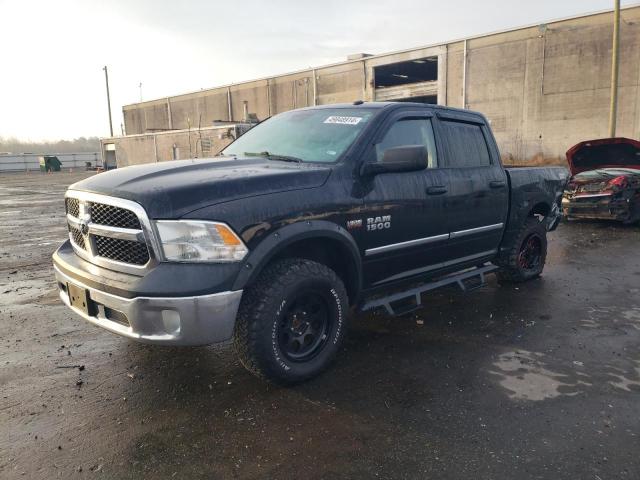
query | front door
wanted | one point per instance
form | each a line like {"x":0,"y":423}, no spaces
{"x":404,"y":221}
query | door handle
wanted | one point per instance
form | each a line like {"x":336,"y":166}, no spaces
{"x":436,"y":190}
{"x":497,"y":184}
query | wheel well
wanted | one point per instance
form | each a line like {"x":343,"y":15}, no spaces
{"x":540,"y":209}
{"x":331,"y":253}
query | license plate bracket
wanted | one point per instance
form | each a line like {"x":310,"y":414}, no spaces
{"x":79,"y":298}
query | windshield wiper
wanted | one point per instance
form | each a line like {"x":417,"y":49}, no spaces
{"x":273,"y":156}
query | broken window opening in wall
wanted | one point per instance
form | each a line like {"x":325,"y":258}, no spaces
{"x":404,"y":73}
{"x":413,"y":80}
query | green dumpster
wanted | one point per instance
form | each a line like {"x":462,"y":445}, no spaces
{"x":50,"y":163}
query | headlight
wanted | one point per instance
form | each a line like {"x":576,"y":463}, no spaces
{"x":199,"y":241}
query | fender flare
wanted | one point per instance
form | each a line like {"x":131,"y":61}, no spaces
{"x":517,"y":217}
{"x":276,"y":241}
{"x":525,"y":207}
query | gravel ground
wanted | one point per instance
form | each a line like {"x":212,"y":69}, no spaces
{"x":539,"y":381}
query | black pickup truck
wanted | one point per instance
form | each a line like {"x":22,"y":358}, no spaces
{"x":310,"y":215}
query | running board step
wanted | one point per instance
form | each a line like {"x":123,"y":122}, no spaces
{"x":411,"y":300}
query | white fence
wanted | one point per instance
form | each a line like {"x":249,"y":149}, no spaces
{"x":31,"y":161}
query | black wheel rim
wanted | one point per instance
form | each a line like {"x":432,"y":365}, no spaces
{"x":530,"y":252}
{"x":304,"y":326}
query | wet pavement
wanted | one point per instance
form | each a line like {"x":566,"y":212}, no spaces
{"x":536,"y":381}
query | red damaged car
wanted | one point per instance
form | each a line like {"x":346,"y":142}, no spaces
{"x":605,"y":180}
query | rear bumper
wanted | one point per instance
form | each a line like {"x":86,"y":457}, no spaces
{"x":606,"y":206}
{"x":191,"y":320}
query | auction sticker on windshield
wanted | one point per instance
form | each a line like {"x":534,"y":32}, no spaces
{"x":343,"y":120}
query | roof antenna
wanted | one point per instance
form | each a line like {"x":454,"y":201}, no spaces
{"x":358,"y":102}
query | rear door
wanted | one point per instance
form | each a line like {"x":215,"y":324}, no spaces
{"x":478,"y":198}
{"x":404,"y":227}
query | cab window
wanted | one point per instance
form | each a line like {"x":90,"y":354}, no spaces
{"x":465,"y":144}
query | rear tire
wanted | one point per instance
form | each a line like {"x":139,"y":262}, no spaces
{"x":528,"y":254}
{"x":291,"y":321}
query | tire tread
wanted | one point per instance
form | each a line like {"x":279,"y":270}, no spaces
{"x":250,"y":322}
{"x":510,"y":272}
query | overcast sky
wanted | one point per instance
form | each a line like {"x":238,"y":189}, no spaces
{"x":53,"y":51}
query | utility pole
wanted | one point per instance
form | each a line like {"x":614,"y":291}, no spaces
{"x":614,"y":69}
{"x":106,"y":79}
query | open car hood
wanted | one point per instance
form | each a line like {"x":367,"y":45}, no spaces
{"x":604,"y":153}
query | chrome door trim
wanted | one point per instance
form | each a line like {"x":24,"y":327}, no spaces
{"x":436,"y":238}
{"x":409,"y":243}
{"x":472,"y":231}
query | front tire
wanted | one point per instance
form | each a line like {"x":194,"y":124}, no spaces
{"x":528,"y":254}
{"x":291,"y":321}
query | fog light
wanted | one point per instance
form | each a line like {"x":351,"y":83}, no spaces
{"x":171,"y":322}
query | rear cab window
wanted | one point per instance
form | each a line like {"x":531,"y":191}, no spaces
{"x":465,"y":143}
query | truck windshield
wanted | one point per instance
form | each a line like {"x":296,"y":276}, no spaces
{"x":319,"y":135}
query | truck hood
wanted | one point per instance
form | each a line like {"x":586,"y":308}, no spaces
{"x":604,"y":153}
{"x":172,"y":189}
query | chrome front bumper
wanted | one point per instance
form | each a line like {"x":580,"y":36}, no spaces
{"x":198,"y":320}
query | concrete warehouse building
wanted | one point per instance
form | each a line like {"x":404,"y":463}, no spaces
{"x":543,"y":87}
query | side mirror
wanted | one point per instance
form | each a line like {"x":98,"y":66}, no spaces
{"x":409,"y":158}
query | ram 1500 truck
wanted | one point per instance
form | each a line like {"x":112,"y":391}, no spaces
{"x":308,"y":216}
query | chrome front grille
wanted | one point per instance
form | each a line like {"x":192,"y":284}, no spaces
{"x":73,"y":206}
{"x":110,"y":232}
{"x":114,"y":216}
{"x":124,"y":251}
{"x":77,"y":237}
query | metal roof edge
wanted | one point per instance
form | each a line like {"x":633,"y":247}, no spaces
{"x":380,"y":55}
